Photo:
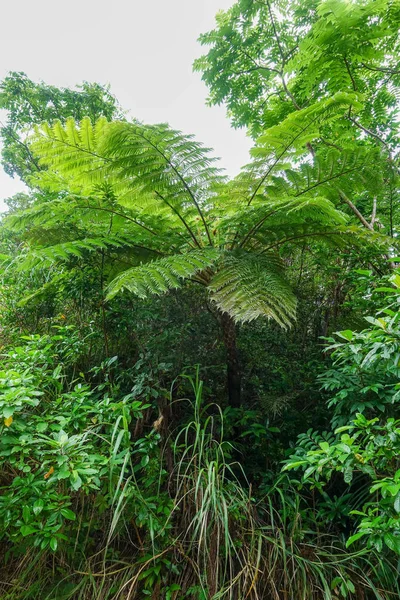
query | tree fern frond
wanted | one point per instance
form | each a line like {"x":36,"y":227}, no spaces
{"x":61,"y":252}
{"x":152,"y":164}
{"x":249,"y":286}
{"x":266,"y":214}
{"x":72,"y":151}
{"x":290,"y":138}
{"x":160,"y":160}
{"x":159,"y":276}
{"x":336,"y":237}
{"x":355,"y":168}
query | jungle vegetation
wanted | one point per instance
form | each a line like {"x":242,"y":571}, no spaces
{"x":200,"y":378}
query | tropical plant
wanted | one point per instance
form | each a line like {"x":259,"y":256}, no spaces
{"x":99,"y":508}
{"x":152,"y":202}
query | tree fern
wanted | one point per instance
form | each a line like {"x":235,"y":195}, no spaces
{"x":149,"y":196}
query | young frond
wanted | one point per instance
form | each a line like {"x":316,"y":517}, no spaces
{"x":248,"y":286}
{"x":159,"y":276}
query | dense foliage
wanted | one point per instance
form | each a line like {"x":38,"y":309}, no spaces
{"x":200,"y":380}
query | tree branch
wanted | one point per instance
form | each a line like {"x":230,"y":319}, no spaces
{"x":355,"y":210}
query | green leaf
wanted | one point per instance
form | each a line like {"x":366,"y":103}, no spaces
{"x":41,"y":427}
{"x":76,"y":481}
{"x":27,"y":530}
{"x":8,"y":411}
{"x":53,"y":544}
{"x":38,"y":506}
{"x":355,"y":537}
{"x":68,"y":514}
{"x":392,"y":542}
{"x":350,"y":586}
{"x":347,"y":334}
{"x":308,"y":472}
{"x":396,"y":504}
{"x":26,"y":514}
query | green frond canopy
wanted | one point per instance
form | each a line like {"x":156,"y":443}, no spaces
{"x":303,"y":126}
{"x":248,"y":286}
{"x":159,"y":276}
{"x":149,"y":194}
{"x":149,"y":168}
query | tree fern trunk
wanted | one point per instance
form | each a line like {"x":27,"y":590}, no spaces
{"x":232,"y":359}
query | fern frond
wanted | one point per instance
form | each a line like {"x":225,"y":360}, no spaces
{"x":267,"y":214}
{"x":176,"y":169}
{"x":159,"y":276}
{"x":143,"y":164}
{"x":72,"y":151}
{"x":62,"y":252}
{"x":303,"y":126}
{"x":248,"y":286}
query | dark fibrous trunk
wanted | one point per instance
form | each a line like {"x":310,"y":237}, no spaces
{"x":232,"y":360}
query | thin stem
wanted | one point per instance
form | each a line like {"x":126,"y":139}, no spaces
{"x":275,"y":162}
{"x":179,"y":217}
{"x":120,"y":214}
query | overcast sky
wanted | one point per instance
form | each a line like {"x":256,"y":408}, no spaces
{"x":143,"y":48}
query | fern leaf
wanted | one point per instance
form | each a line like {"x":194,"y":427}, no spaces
{"x":159,"y":276}
{"x":249,"y":286}
{"x":62,"y":252}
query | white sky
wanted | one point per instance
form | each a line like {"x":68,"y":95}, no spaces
{"x":143,"y":48}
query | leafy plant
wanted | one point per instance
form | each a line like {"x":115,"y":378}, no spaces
{"x":171,"y":210}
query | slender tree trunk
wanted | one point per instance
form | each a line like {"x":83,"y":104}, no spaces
{"x":232,"y":359}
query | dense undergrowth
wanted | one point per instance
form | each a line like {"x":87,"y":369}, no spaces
{"x":112,"y":487}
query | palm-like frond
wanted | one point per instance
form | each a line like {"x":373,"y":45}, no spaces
{"x":248,"y":286}
{"x":61,"y":252}
{"x":288,"y":141}
{"x":175,"y":169}
{"x":159,"y":276}
{"x":71,"y":153}
{"x":149,"y":168}
{"x":353,"y":169}
{"x":310,"y":213}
